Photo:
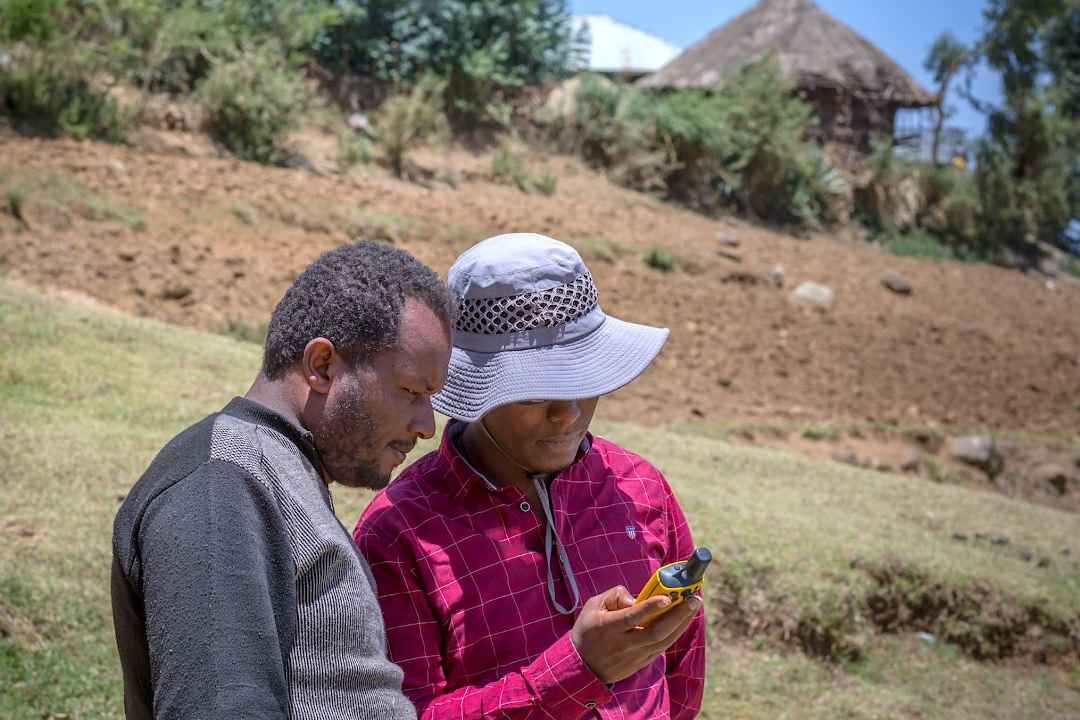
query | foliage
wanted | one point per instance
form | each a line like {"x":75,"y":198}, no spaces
{"x":54,"y":88}
{"x":353,"y":148}
{"x":32,"y":21}
{"x":172,"y":46}
{"x":740,"y":147}
{"x":506,"y":164}
{"x":477,"y":45}
{"x":917,"y":208}
{"x":251,"y":103}
{"x":1028,"y":165}
{"x":405,"y":121}
{"x":660,"y":259}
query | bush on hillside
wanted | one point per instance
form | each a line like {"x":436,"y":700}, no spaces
{"x":913,"y":205}
{"x":405,"y":121}
{"x":476,"y":45}
{"x":251,"y":104}
{"x":53,"y":89}
{"x":741,"y":147}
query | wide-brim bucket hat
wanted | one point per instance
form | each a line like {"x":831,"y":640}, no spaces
{"x":530,"y":327}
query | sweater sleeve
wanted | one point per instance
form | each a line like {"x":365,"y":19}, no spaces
{"x":557,"y":684}
{"x":219,"y":592}
{"x":685,"y":659}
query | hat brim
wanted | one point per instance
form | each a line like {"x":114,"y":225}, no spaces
{"x":601,"y":362}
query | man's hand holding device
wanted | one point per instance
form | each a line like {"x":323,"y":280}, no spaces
{"x":616,"y":635}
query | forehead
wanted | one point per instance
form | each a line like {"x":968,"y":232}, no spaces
{"x":423,"y":345}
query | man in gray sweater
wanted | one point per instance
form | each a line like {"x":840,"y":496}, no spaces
{"x":236,"y":591}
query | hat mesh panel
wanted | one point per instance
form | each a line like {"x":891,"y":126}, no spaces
{"x":516,"y":313}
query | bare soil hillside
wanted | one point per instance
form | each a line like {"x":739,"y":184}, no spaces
{"x":207,"y":241}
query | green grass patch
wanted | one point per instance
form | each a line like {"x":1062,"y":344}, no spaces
{"x":58,"y":199}
{"x":1070,"y":265}
{"x":88,"y":397}
{"x":920,"y":243}
{"x":659,"y":259}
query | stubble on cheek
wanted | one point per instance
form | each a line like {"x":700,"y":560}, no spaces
{"x":347,"y":440}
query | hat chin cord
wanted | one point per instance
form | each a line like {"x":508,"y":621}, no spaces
{"x":533,"y":475}
{"x":551,"y":536}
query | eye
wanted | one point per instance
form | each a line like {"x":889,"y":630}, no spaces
{"x":531,"y":402}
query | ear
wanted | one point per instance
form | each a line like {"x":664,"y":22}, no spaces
{"x":321,"y":364}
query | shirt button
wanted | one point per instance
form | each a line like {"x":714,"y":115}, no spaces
{"x":590,"y":704}
{"x":525,"y":507}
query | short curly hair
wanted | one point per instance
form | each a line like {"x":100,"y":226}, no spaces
{"x":353,"y":296}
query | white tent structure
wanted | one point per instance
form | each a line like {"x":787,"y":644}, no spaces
{"x":615,"y":47}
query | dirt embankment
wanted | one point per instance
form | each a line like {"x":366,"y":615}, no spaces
{"x":202,"y":241}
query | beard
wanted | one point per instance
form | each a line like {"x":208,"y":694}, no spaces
{"x":348,"y":441}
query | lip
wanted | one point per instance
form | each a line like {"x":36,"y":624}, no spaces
{"x":561,"y":442}
{"x":398,"y":455}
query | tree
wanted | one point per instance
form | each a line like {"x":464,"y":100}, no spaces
{"x":475,"y":44}
{"x":947,"y":57}
{"x":1028,"y":169}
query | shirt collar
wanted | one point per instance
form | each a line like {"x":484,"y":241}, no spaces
{"x":461,"y":476}
{"x":252,"y":412}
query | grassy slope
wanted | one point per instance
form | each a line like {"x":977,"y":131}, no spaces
{"x":87,"y":397}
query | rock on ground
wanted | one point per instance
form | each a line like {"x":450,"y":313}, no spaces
{"x":846,"y":456}
{"x":910,"y":458}
{"x":776,"y":275}
{"x":979,"y":451}
{"x":726,"y":238}
{"x":1053,"y":474}
{"x":812,"y":294}
{"x":894,"y":281}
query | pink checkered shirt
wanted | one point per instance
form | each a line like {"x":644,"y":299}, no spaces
{"x":460,"y":569}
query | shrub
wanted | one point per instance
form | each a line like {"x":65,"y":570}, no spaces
{"x":506,"y":164}
{"x":546,"y":184}
{"x":404,"y":121}
{"x":353,"y":148}
{"x":660,"y":259}
{"x":477,"y":45}
{"x":52,"y":87}
{"x":741,"y":146}
{"x":251,"y":103}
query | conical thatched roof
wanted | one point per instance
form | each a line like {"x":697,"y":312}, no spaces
{"x":812,"y":46}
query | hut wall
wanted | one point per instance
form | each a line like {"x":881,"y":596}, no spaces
{"x":847,"y":118}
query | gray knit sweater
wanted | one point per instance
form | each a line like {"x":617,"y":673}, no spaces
{"x":236,"y":591}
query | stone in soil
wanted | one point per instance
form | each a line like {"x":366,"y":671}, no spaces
{"x":894,"y":281}
{"x":1053,"y":474}
{"x":979,"y":451}
{"x":776,"y":275}
{"x":815,"y":295}
{"x":845,"y":456}
{"x":726,"y":238}
{"x":910,"y":458}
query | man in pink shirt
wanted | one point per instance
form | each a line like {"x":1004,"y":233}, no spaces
{"x":507,"y":561}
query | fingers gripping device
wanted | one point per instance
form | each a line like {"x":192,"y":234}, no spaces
{"x":679,"y":581}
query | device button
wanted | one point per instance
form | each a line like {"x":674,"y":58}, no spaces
{"x":525,"y":507}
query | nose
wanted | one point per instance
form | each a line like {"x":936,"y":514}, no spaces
{"x":423,"y":422}
{"x":564,"y":412}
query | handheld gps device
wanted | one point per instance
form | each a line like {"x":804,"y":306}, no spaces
{"x":679,"y":581}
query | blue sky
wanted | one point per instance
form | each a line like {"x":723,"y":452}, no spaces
{"x":903,"y":30}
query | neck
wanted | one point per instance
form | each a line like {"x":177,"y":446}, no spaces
{"x":491,"y":460}
{"x":277,"y":395}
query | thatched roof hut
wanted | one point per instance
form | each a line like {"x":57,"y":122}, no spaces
{"x":855,"y":88}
